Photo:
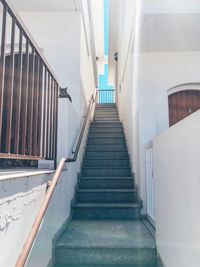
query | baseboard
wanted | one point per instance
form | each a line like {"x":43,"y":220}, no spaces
{"x":51,"y":263}
{"x":150,"y":227}
{"x":55,"y":239}
{"x":160,"y":263}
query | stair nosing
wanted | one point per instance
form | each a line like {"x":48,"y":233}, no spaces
{"x":107,"y":190}
{"x":107,"y":177}
{"x":108,"y":205}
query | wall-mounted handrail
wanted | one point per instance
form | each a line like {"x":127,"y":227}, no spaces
{"x":36,"y":225}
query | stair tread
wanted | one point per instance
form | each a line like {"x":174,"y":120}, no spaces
{"x":106,"y":167}
{"x":106,"y":234}
{"x":107,"y":177}
{"x":107,"y":190}
{"x":107,"y":205}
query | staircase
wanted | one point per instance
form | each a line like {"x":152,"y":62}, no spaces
{"x":106,"y":228}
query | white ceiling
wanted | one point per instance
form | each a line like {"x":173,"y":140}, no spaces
{"x":45,"y":5}
{"x":172,"y":32}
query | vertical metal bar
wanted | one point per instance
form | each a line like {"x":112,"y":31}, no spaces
{"x":41,"y":80}
{"x":51,"y":119}
{"x":48,"y":111}
{"x":18,"y":94}
{"x":10,"y":89}
{"x":30,"y":102}
{"x":25,"y":90}
{"x":35,"y":105}
{"x":44,"y":114}
{"x":2,"y":66}
{"x":55,"y":119}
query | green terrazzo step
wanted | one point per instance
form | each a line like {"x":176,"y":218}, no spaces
{"x":106,"y":195}
{"x":106,"y":243}
{"x":106,"y":163}
{"x":106,"y":171}
{"x":115,"y":211}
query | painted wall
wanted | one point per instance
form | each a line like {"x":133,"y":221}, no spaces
{"x":177,"y":186}
{"x":62,"y":37}
{"x":148,"y":66}
{"x":20,"y":199}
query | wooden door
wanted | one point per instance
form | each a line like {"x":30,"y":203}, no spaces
{"x":183,"y":104}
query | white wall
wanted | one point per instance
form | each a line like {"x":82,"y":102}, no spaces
{"x":20,"y":199}
{"x":177,"y":186}
{"x":149,"y":65}
{"x":62,"y":37}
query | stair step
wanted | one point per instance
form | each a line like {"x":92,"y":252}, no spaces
{"x":106,"y":163}
{"x":120,"y":211}
{"x":106,"y":124}
{"x":106,"y":129}
{"x":113,"y":140}
{"x":104,"y":242}
{"x":106,"y":195}
{"x":106,"y":147}
{"x":105,"y":135}
{"x":104,"y":172}
{"x":110,"y":119}
{"x":106,"y":183}
{"x":112,"y":154}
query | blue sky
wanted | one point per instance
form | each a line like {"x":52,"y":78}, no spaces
{"x":103,"y":79}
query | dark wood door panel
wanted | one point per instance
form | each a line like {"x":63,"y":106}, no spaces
{"x":183,"y":104}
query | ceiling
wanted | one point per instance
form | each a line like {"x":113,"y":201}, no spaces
{"x":45,"y":5}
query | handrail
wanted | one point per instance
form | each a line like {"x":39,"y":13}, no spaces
{"x":36,"y":225}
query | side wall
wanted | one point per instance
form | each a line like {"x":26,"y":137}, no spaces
{"x":177,"y":198}
{"x":61,"y":36}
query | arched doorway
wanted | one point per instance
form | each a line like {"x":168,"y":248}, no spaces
{"x":183,"y":103}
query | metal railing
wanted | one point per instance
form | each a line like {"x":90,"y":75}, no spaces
{"x":106,"y":96}
{"x":28,"y":93}
{"x":150,"y":182}
{"x":36,"y":225}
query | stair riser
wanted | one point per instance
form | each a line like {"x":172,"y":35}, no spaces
{"x":107,"y":147}
{"x":125,"y":213}
{"x":105,"y":135}
{"x":106,"y":119}
{"x":137,"y":257}
{"x":106,"y":124}
{"x":106,"y":163}
{"x":92,"y":141}
{"x":108,"y":197}
{"x":90,"y":172}
{"x":107,"y":154}
{"x":106,"y":129}
{"x":106,"y":183}
{"x":106,"y":114}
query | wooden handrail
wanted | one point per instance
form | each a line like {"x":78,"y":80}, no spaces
{"x":36,"y":225}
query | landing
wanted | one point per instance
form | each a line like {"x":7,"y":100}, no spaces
{"x":111,"y":234}
{"x":106,"y":243}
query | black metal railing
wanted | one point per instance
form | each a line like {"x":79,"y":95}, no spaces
{"x":28,"y":94}
{"x":106,"y":96}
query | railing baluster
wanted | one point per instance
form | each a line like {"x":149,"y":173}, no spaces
{"x":10,"y":89}
{"x":44,"y":113}
{"x":25,"y":90}
{"x":51,"y":118}
{"x":18,"y":96}
{"x":2,"y":66}
{"x":30,"y":101}
{"x":48,"y":111}
{"x":39,"y":128}
{"x":35,"y":105}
